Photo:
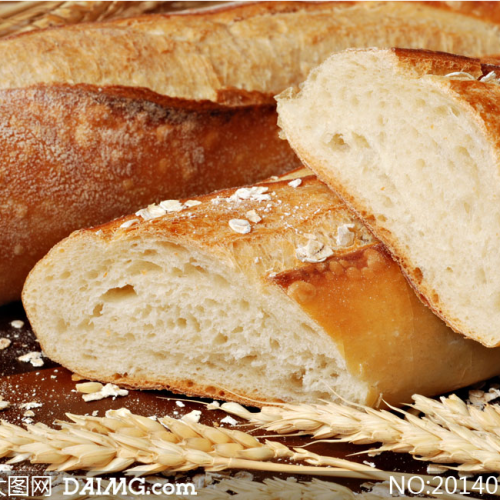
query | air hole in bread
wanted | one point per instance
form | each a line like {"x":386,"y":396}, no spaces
{"x":338,"y":143}
{"x":418,"y":275}
{"x":97,"y":310}
{"x":481,"y":276}
{"x":220,"y":339}
{"x":119,"y":294}
{"x":61,"y":326}
{"x":143,"y":266}
{"x":360,"y":140}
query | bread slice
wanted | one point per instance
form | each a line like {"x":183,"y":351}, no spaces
{"x":209,"y":300}
{"x":410,"y":140}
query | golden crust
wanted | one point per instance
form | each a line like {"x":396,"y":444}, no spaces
{"x":359,"y":296}
{"x":89,"y":155}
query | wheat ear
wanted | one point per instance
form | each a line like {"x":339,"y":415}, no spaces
{"x":449,"y":432}
{"x":120,"y":440}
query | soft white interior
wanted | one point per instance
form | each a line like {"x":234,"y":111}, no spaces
{"x":153,"y":311}
{"x":416,"y":159}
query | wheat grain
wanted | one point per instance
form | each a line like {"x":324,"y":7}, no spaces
{"x":449,"y":432}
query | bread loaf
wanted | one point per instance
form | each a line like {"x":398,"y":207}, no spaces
{"x":73,"y":156}
{"x":209,"y":300}
{"x":410,"y":139}
{"x":263,"y":47}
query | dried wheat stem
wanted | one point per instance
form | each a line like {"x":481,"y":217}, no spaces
{"x":449,"y":432}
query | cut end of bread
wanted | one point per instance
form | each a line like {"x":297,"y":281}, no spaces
{"x":408,"y":139}
{"x":141,"y":307}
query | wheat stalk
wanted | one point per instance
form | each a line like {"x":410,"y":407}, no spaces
{"x":118,"y":441}
{"x":115,"y":442}
{"x":26,"y":16}
{"x":449,"y":432}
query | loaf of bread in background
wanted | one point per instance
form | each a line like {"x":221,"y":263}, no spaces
{"x":73,"y":156}
{"x":258,"y":46}
{"x":410,"y":139}
{"x":273,"y":292}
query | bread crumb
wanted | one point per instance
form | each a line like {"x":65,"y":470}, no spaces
{"x":31,"y":405}
{"x":192,"y":417}
{"x":295,"y":183}
{"x":17,"y":323}
{"x":5,"y":468}
{"x":29,"y":413}
{"x":35,"y":358}
{"x":229,"y":420}
{"x":3,"y":404}
{"x":76,"y":378}
{"x":214,"y":405}
{"x":180,"y":404}
{"x":4,"y":343}
{"x":108,"y":391}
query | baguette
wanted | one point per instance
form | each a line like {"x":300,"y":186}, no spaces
{"x":75,"y":150}
{"x":410,"y":140}
{"x":263,"y":47}
{"x":305,"y":303}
